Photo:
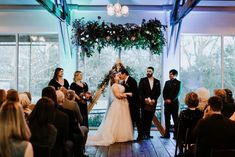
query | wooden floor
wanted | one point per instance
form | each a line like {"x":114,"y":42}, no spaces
{"x":156,"y":147}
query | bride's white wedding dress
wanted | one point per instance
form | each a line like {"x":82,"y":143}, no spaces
{"x":117,"y":125}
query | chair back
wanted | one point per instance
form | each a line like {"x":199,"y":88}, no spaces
{"x":187,"y":143}
{"x":222,"y":153}
{"x":41,"y":151}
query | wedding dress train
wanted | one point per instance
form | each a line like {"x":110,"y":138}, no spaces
{"x":116,"y":126}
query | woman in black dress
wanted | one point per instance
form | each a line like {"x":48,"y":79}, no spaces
{"x":81,"y":90}
{"x":58,"y":81}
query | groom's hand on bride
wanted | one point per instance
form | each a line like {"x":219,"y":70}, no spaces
{"x":129,"y":94}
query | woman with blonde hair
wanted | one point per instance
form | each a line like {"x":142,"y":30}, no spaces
{"x":25,"y":102}
{"x":15,"y":133}
{"x":81,"y":90}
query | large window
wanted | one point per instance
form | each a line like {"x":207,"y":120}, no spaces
{"x":39,"y":56}
{"x":8,"y":61}
{"x":207,"y":62}
{"x":229,"y":62}
{"x":137,"y":62}
{"x":30,"y":66}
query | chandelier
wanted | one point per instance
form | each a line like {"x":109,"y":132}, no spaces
{"x":117,"y":10}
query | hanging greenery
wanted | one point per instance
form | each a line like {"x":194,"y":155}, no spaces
{"x":95,"y":35}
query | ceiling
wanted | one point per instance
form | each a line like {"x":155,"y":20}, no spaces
{"x":127,"y":2}
{"x":195,"y":22}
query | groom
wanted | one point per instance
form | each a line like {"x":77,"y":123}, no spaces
{"x":130,"y":85}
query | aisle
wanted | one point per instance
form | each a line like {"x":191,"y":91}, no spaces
{"x":156,"y":147}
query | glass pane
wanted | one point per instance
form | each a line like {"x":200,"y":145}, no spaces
{"x":229,"y":62}
{"x":137,"y":62}
{"x":24,"y":64}
{"x":42,"y":52}
{"x":200,"y":63}
{"x":8,"y":62}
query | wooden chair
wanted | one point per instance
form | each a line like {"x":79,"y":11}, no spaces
{"x":187,"y":144}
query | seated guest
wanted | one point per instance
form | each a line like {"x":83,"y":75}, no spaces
{"x":15,"y":134}
{"x":188,"y":119}
{"x":229,"y":95}
{"x":3,"y":96}
{"x":230,"y":103}
{"x":25,"y":102}
{"x":77,"y":134}
{"x":70,"y":103}
{"x":31,"y":106}
{"x":40,"y":123}
{"x":228,"y":108}
{"x":13,"y":95}
{"x":61,"y":122}
{"x":215,"y":130}
{"x":29,"y":95}
{"x":203,"y":95}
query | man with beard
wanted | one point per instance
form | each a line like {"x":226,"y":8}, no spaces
{"x":150,"y":90}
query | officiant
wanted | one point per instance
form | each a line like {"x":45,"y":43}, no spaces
{"x":149,"y":90}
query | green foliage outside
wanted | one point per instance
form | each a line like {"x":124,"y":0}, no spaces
{"x":201,"y":64}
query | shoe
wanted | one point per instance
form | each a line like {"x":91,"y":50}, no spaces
{"x":165,"y":136}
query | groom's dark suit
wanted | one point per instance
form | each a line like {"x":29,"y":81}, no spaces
{"x":134,"y":104}
{"x":148,"y":110}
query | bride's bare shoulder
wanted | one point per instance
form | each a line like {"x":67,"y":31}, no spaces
{"x":115,"y":85}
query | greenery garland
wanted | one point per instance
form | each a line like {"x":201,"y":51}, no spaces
{"x":95,"y":35}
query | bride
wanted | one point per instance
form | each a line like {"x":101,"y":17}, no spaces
{"x":117,"y":125}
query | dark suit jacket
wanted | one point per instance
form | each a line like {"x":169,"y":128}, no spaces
{"x":131,"y":86}
{"x":61,"y":123}
{"x":73,"y":122}
{"x":145,"y":91}
{"x":215,"y":131}
{"x":171,"y":90}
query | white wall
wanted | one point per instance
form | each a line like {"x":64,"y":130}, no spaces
{"x":134,"y":16}
{"x":209,"y":23}
{"x":38,"y":21}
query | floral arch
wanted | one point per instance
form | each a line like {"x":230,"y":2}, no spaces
{"x":93,"y":36}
